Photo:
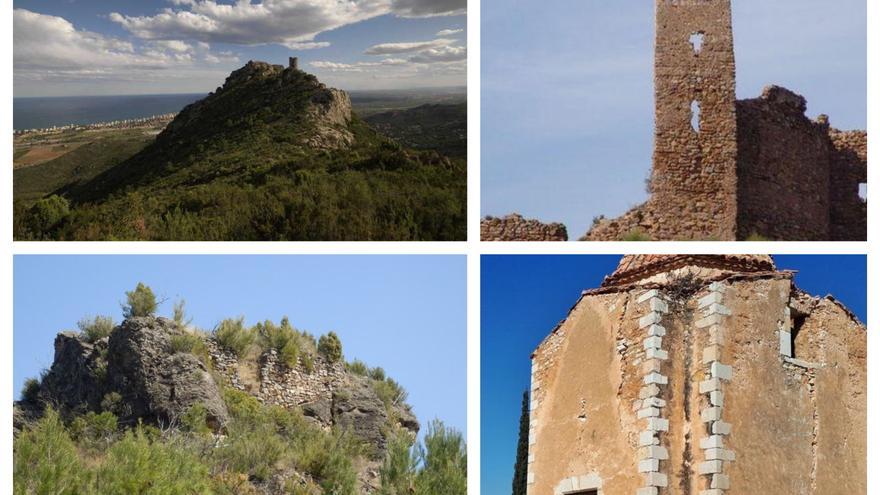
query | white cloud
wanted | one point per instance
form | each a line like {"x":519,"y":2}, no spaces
{"x":307,"y":45}
{"x":449,"y":32}
{"x":285,"y":22}
{"x":417,"y":46}
{"x":50,"y":48}
{"x":441,"y":54}
{"x":358,"y":66}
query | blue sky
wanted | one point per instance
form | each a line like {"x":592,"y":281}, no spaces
{"x":567,"y":93}
{"x":523,"y":297}
{"x":404,"y":313}
{"x":94,"y":47}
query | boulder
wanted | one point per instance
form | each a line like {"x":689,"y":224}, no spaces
{"x":358,"y":409}
{"x":75,"y":382}
{"x":155,"y":383}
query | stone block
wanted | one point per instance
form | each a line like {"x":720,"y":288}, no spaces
{"x":721,"y":428}
{"x":647,"y":438}
{"x":651,"y":366}
{"x":785,"y":343}
{"x":708,"y":321}
{"x":658,"y":305}
{"x":716,"y":335}
{"x":650,"y":319}
{"x":656,"y":479}
{"x":649,"y":465}
{"x":649,"y":412}
{"x":720,"y":482}
{"x":716,"y":309}
{"x":655,"y":452}
{"x":648,"y":295}
{"x":654,"y":402}
{"x":656,"y":379}
{"x":535,"y":403}
{"x":530,"y":478}
{"x":656,"y":331}
{"x":712,"y":492}
{"x":532,"y":438}
{"x":657,"y":354}
{"x":720,"y":455}
{"x":531,"y":458}
{"x":658,"y":424}
{"x":712,"y":442}
{"x":649,"y":391}
{"x":710,"y":414}
{"x":648,"y":490}
{"x":653,"y":343}
{"x":716,"y":398}
{"x":711,"y":353}
{"x":710,"y":385}
{"x":721,"y":371}
{"x":709,"y":299}
{"x":710,"y":467}
{"x":717,"y":287}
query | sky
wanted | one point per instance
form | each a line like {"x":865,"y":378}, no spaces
{"x":524,"y":297}
{"x":95,"y":47}
{"x":406,"y":314}
{"x":567,"y":93}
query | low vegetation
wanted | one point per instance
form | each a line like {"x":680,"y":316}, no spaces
{"x":95,"y":328}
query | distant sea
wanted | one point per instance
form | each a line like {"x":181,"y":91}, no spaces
{"x":37,"y":113}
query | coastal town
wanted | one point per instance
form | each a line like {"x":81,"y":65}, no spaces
{"x":151,"y":121}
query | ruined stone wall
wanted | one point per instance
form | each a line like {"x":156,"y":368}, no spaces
{"x":849,"y":168}
{"x":783,"y":169}
{"x":694,"y":170}
{"x":515,"y":228}
{"x":744,"y":386}
{"x":273,"y":382}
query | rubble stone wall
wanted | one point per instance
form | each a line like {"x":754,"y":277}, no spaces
{"x":515,"y":228}
{"x":849,"y":169}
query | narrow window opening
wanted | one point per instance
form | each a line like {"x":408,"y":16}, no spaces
{"x":585,"y":492}
{"x":797,"y":322}
{"x":695,"y":116}
{"x":696,"y":40}
{"x":863,"y":191}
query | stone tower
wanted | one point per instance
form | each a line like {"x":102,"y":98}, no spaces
{"x":696,"y":374}
{"x":695,"y":146}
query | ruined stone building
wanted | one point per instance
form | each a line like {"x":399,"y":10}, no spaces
{"x":698,"y":374}
{"x":726,"y":169}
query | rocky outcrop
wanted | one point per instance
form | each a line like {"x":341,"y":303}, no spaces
{"x":75,"y":380}
{"x":514,"y":227}
{"x":155,"y":382}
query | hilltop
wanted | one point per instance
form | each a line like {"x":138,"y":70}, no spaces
{"x":265,"y":409}
{"x":273,"y":154}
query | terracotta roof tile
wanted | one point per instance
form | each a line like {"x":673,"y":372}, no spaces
{"x":638,"y":266}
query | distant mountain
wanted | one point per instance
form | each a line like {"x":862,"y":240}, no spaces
{"x":273,"y":154}
{"x":431,"y":127}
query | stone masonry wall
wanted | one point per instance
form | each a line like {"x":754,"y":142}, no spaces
{"x":745,"y":386}
{"x":783,"y":169}
{"x":694,"y":170}
{"x":278,"y":384}
{"x":849,"y":168}
{"x":515,"y":228}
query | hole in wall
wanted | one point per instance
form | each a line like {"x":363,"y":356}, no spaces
{"x":696,"y":40}
{"x":695,"y":116}
{"x":797,"y":323}
{"x":863,"y":191}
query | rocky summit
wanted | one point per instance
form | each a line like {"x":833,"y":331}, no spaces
{"x":137,"y":373}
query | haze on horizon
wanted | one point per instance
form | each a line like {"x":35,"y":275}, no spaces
{"x":130,"y":47}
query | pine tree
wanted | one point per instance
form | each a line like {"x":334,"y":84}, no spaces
{"x":520,"y":469}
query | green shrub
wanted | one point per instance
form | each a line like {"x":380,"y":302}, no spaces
{"x":140,"y":302}
{"x":95,"y":328}
{"x":136,"y":464}
{"x":94,"y":430}
{"x":327,"y":457}
{"x":398,"y":470}
{"x":636,"y":235}
{"x":377,"y":373}
{"x":251,"y":447}
{"x":113,"y":402}
{"x":755,"y":237}
{"x":443,"y":458}
{"x":180,"y":317}
{"x":358,"y":367}
{"x":187,"y":342}
{"x":232,"y":335}
{"x":45,"y":459}
{"x":241,"y":405}
{"x":47,"y":213}
{"x":30,"y":392}
{"x":282,"y":338}
{"x":390,"y":392}
{"x":195,"y":420}
{"x":330,"y":347}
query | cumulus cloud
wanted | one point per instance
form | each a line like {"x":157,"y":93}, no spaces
{"x":449,"y":32}
{"x":49,"y":47}
{"x":307,"y":45}
{"x":357,"y":67}
{"x":442,"y":54}
{"x":417,"y":46}
{"x":285,"y":22}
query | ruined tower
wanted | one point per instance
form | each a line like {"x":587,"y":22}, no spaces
{"x":293,"y":62}
{"x":700,"y":375}
{"x":694,"y":171}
